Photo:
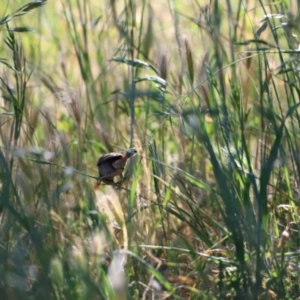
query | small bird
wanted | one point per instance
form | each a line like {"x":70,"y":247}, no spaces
{"x":112,"y":164}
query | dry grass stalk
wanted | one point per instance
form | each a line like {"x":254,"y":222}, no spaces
{"x":163,"y":66}
{"x":148,"y":39}
{"x":108,"y":203}
{"x":189,"y":59}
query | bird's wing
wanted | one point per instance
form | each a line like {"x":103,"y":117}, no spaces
{"x":109,"y":157}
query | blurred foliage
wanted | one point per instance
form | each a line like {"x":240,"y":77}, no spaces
{"x":208,"y":93}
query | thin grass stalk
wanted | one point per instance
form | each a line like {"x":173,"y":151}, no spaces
{"x":190,"y":61}
{"x":81,"y":50}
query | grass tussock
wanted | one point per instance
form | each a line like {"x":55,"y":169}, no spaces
{"x":208,"y":94}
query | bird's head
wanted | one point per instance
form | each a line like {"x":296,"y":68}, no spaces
{"x":130,"y":152}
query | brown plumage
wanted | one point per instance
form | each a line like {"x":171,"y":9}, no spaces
{"x":113,"y":164}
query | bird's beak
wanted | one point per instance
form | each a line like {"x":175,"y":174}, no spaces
{"x":131,"y":152}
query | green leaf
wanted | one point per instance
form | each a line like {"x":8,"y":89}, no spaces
{"x":134,"y":63}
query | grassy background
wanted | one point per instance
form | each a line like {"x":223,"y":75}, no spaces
{"x":208,"y":93}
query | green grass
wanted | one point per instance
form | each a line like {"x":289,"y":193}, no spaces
{"x":208,"y":95}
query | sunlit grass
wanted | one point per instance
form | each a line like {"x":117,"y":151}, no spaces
{"x":208,"y":95}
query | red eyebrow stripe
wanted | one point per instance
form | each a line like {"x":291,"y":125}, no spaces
{"x":116,"y":158}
